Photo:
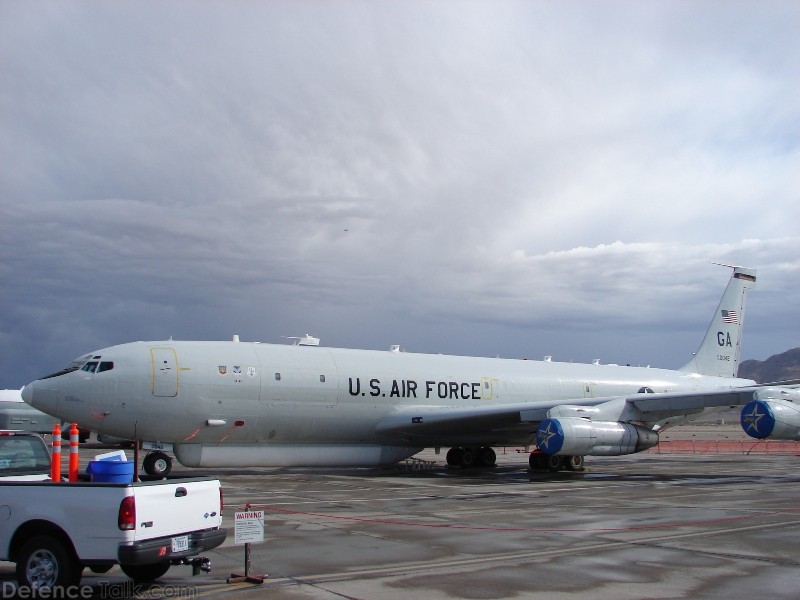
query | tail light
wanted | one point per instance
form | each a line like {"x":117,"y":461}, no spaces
{"x":221,"y":501}
{"x":127,"y":514}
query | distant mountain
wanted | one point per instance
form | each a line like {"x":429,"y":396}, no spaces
{"x":779,"y":367}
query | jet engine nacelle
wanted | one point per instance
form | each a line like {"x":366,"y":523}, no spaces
{"x":774,"y":419}
{"x":582,"y":437}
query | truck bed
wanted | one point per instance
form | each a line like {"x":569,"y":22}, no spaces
{"x":88,"y":512}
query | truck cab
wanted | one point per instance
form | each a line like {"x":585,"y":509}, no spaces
{"x":24,"y":456}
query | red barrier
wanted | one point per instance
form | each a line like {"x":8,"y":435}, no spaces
{"x":73,"y":452}
{"x":55,"y":459}
{"x":727,"y":447}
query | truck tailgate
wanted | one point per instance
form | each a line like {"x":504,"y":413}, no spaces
{"x":164,"y":508}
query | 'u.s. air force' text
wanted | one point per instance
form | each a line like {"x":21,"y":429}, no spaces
{"x":408,"y":388}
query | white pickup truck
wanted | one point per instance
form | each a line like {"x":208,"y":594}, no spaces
{"x":52,"y":531}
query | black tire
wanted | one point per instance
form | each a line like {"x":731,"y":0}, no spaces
{"x":146,"y":573}
{"x":157,"y":464}
{"x":487,"y":457}
{"x":468,"y":457}
{"x":574,"y":463}
{"x":454,"y":456}
{"x":537,"y":461}
{"x":100,"y":569}
{"x":554,"y":463}
{"x":45,"y":562}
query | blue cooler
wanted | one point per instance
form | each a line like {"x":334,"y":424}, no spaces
{"x":111,"y":471}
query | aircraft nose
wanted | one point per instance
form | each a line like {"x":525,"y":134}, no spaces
{"x":38,"y":396}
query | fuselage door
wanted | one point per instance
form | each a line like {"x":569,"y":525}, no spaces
{"x":487,"y":388}
{"x":165,"y":372}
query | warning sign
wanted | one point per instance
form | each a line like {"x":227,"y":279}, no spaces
{"x":248,"y":527}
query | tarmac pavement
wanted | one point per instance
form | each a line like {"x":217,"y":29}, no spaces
{"x":639,"y":526}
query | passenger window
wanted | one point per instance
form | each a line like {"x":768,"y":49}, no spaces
{"x":105,"y":366}
{"x":90,"y":366}
{"x":277,"y":376}
{"x":322,"y":378}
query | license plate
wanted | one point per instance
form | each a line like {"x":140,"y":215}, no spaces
{"x":180,"y":544}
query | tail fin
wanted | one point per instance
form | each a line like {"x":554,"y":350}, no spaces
{"x":718,"y":355}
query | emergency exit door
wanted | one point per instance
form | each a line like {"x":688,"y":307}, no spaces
{"x":165,"y":372}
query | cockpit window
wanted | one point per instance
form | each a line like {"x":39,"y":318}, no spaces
{"x":84,"y":364}
{"x":645,"y":390}
{"x":73,"y":366}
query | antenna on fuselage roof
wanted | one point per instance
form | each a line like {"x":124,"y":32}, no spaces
{"x":306,"y":340}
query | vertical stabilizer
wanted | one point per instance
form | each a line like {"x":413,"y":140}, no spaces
{"x":719,"y":353}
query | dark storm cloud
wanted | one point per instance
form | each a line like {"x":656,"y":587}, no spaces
{"x":514,"y":178}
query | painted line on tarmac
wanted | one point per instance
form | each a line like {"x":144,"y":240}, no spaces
{"x":700,"y":523}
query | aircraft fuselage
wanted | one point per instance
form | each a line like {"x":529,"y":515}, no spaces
{"x":316,"y":405}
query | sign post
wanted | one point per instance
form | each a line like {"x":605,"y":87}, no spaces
{"x":248,"y":528}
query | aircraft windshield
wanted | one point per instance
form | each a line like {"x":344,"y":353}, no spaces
{"x":94,"y":366}
{"x":73,"y":366}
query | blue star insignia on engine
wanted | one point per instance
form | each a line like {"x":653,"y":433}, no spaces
{"x":549,"y":436}
{"x":757,"y":419}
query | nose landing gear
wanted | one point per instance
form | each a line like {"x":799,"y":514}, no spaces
{"x":157,"y":464}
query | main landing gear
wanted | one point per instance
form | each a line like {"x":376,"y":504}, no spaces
{"x":471,"y":456}
{"x":539,"y":461}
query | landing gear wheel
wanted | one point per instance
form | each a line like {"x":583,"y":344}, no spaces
{"x":44,"y":562}
{"x":468,"y":457}
{"x":157,"y":464}
{"x":573,"y":463}
{"x":554,"y":463}
{"x":538,"y":461}
{"x":454,"y":456}
{"x":487,"y":457}
{"x":145,"y":573}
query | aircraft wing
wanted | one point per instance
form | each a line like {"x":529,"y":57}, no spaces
{"x":689,"y":402}
{"x":458,"y":425}
{"x":516,"y":423}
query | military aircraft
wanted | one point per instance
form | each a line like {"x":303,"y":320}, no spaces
{"x":232,"y":403}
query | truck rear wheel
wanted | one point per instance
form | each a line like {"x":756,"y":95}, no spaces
{"x":146,"y":573}
{"x":45,"y":562}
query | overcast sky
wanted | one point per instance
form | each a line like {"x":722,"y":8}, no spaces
{"x":491,"y":178}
